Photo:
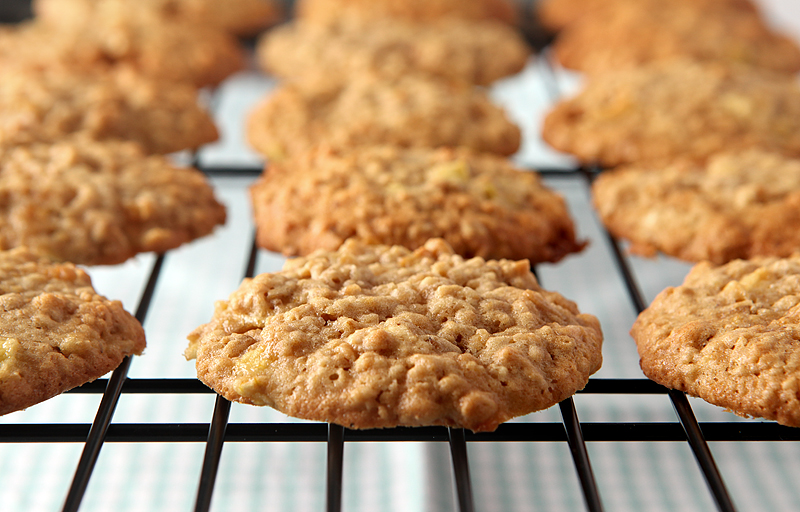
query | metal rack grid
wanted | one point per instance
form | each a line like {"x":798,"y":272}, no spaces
{"x":218,"y":431}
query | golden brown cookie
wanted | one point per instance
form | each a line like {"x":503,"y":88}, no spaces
{"x":411,"y":111}
{"x":368,"y":11}
{"x":58,"y":333}
{"x":478,"y":52}
{"x":479,"y":203}
{"x":641,"y":33}
{"x":556,"y":15}
{"x":676,"y":109}
{"x":737,"y":205}
{"x":379,"y":336}
{"x":239,"y":17}
{"x":177,"y":52}
{"x":48,"y":105}
{"x":98,"y":203}
{"x":729,"y":335}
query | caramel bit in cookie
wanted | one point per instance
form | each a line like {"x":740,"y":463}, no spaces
{"x":58,"y":333}
{"x":379,"y":336}
{"x":729,"y":335}
{"x":412,"y":111}
{"x":737,"y":205}
{"x":96,"y":203}
{"x":479,"y":203}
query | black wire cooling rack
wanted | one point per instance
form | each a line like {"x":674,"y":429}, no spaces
{"x":218,"y":431}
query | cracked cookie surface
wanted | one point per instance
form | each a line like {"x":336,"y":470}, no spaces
{"x":379,"y":336}
{"x":410,"y":112}
{"x":57,"y":332}
{"x":731,"y":336}
{"x":669,"y":110}
{"x":96,"y":203}
{"x":479,"y":203}
{"x":737,"y":205}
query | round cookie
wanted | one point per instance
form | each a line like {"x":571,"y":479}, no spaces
{"x":619,"y":38}
{"x":681,"y":108}
{"x":411,"y":111}
{"x":729,"y":336}
{"x":95,"y":203}
{"x":479,"y":203}
{"x":556,"y":15}
{"x":737,"y":205}
{"x":379,"y":336}
{"x":239,"y":17}
{"x":176,"y":52}
{"x":478,"y":52}
{"x":368,"y":11}
{"x":58,"y":333}
{"x":48,"y":105}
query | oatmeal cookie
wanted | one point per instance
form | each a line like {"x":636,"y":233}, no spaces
{"x":411,"y":111}
{"x":473,"y":51}
{"x":239,"y":17}
{"x":48,"y":105}
{"x":95,"y":203}
{"x":613,"y":39}
{"x":379,"y":336}
{"x":676,"y":109}
{"x":556,"y":15}
{"x":737,"y":205}
{"x":368,"y":11}
{"x":58,"y":333}
{"x":729,"y":335}
{"x":176,"y":52}
{"x":479,"y":203}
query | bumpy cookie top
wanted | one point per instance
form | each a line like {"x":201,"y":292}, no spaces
{"x":410,"y":111}
{"x":738,"y":205}
{"x":48,"y":105}
{"x":729,"y":335}
{"x":676,"y":109}
{"x":177,"y":52}
{"x":378,"y":336}
{"x":479,"y":52}
{"x":57,"y":332}
{"x":559,"y":14}
{"x":100,"y":202}
{"x":241,"y":17}
{"x":614,"y":38}
{"x":367,"y":11}
{"x":480,"y":204}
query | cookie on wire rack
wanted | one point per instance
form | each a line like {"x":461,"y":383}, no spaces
{"x":479,"y":52}
{"x":729,"y":335}
{"x":176,"y":52}
{"x":100,"y":203}
{"x":239,"y":17}
{"x":556,"y":15}
{"x":378,"y":336}
{"x":58,"y":333}
{"x":479,"y":203}
{"x":48,"y":105}
{"x":419,"y":11}
{"x":737,"y":205}
{"x":412,"y":111}
{"x":618,"y":38}
{"x":681,"y":108}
